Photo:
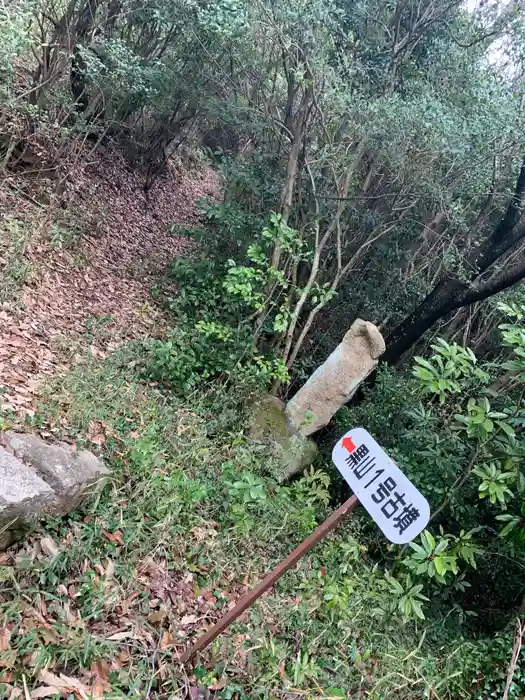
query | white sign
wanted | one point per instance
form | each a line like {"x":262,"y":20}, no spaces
{"x":393,"y":502}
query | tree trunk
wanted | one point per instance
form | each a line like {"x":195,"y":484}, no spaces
{"x":445,"y":297}
{"x":451,"y":293}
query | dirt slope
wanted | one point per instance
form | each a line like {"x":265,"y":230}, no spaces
{"x":92,"y":258}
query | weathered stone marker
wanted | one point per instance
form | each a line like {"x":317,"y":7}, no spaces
{"x":38,"y":480}
{"x":270,"y":426}
{"x":335,"y":382}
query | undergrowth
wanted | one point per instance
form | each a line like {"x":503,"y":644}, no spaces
{"x":14,"y":265}
{"x":193,"y":516}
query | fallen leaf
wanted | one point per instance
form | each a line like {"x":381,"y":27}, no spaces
{"x":49,"y":635}
{"x":100,"y":671}
{"x":110,"y":569}
{"x":158,"y":615}
{"x":45,"y":691}
{"x":188,"y":620}
{"x":114,"y":537}
{"x":30,"y":659}
{"x":5,"y":638}
{"x":118,"y":636}
{"x":8,"y":659}
{"x":71,"y":618}
{"x":122,"y":659}
{"x":64,"y":682}
{"x":208,"y":597}
{"x":96,"y":432}
{"x":164,"y":672}
{"x":166,"y":640}
{"x":49,"y":547}
{"x":15,"y":342}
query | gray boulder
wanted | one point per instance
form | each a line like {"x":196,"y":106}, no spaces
{"x":24,"y":497}
{"x":38,"y":479}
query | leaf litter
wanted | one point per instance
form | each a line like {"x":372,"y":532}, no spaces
{"x":91,"y":298}
{"x":95,"y":294}
{"x":153,"y":615}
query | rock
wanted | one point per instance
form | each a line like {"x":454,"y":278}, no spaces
{"x":71,"y":474}
{"x":270,"y":426}
{"x":24,"y":497}
{"x":334,"y":383}
{"x":41,"y":480}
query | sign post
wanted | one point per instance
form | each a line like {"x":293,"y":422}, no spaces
{"x":377,"y":482}
{"x":269,"y":580}
{"x":390,"y":498}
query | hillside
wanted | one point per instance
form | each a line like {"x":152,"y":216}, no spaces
{"x":78,"y":270}
{"x":233,"y":232}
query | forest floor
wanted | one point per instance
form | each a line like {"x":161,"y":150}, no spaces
{"x":76,"y":274}
{"x":99,"y":605}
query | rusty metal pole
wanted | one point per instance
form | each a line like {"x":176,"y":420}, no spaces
{"x":269,"y":580}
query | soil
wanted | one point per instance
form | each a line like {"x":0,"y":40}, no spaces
{"x":93,"y":253}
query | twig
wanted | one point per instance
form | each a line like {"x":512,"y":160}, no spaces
{"x":26,"y":690}
{"x":458,"y":483}
{"x":516,"y":648}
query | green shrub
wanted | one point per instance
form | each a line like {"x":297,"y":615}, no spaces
{"x":190,"y":357}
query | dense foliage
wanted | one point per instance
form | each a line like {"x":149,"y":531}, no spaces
{"x":387,"y":136}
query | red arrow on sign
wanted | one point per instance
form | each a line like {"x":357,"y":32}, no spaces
{"x":348,"y":444}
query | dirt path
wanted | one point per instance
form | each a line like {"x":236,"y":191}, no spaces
{"x":92,"y":264}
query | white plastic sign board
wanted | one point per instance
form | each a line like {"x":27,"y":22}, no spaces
{"x":391,"y":499}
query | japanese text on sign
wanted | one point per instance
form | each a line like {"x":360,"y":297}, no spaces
{"x":390,"y":498}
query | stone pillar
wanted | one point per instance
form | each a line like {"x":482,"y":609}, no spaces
{"x":335,"y":382}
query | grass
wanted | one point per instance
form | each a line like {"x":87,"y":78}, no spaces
{"x":194,"y":516}
{"x":14,"y":266}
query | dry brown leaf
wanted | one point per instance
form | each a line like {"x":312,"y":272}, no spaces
{"x":188,"y":620}
{"x":62,"y":295}
{"x":166,"y":640}
{"x":123,"y":658}
{"x":49,"y":635}
{"x":64,"y":682}
{"x":15,"y":342}
{"x":5,"y":638}
{"x":9,"y":658}
{"x":15,"y":693}
{"x":30,"y":659}
{"x":97,"y":432}
{"x":33,"y":618}
{"x":114,"y":537}
{"x":49,"y":547}
{"x":164,"y":672}
{"x":118,"y":636}
{"x":100,"y":671}
{"x":110,"y":569}
{"x":158,"y":615}
{"x":71,"y":618}
{"x":45,"y":691}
